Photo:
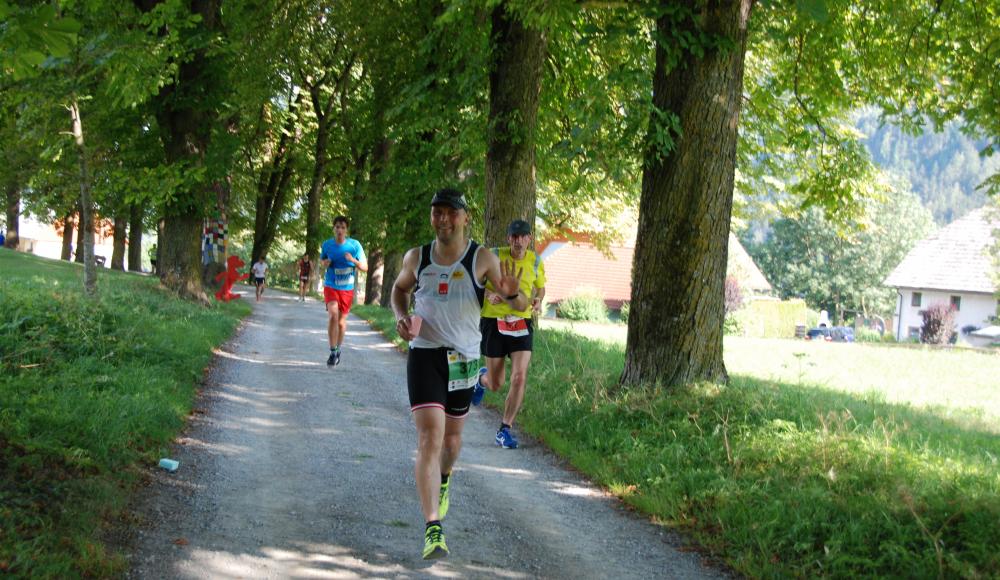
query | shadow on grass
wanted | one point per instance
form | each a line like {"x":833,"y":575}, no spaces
{"x":777,"y":478}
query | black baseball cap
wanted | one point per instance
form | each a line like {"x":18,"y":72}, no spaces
{"x":519,"y":228}
{"x":450,"y":197}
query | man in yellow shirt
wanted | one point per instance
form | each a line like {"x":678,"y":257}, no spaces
{"x":508,"y":332}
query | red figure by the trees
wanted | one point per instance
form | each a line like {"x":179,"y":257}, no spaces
{"x":230,"y":277}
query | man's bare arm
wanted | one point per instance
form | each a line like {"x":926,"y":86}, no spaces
{"x":401,"y":288}
{"x":536,"y":302}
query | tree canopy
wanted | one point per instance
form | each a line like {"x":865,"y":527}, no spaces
{"x":274,"y":116}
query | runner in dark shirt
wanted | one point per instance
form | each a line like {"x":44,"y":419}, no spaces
{"x":305,"y":268}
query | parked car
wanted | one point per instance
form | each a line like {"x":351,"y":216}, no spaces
{"x":831,"y":334}
{"x":842,"y":334}
{"x":819,"y":333}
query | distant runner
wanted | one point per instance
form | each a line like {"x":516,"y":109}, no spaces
{"x":446,"y":278}
{"x":305,"y":269}
{"x":259,"y":270}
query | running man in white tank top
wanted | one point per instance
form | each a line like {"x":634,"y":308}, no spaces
{"x":448,"y":277}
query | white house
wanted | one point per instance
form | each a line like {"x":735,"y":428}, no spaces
{"x":42,"y":239}
{"x":953,"y":266}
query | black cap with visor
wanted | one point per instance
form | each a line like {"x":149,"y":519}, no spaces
{"x":519,"y":228}
{"x":450,"y":197}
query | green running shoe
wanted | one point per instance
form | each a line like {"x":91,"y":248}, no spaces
{"x":434,"y":546}
{"x":443,"y":500}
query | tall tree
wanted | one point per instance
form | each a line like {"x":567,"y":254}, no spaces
{"x":839,"y":269}
{"x":518,"y":53}
{"x":12,"y":197}
{"x":275,"y":182}
{"x":86,"y":201}
{"x":135,"y":229}
{"x":679,"y":269}
{"x":187,"y":113}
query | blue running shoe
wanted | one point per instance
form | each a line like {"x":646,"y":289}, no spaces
{"x":506,"y":439}
{"x":478,"y":392}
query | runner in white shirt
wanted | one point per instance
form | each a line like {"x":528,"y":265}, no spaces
{"x":446,"y":278}
{"x":259,"y":270}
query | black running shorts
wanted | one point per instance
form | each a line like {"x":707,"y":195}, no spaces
{"x":434,"y":382}
{"x":497,"y":343}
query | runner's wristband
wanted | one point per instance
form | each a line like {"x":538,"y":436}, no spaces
{"x":513,"y":296}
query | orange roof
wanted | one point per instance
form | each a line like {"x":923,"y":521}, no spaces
{"x":570,"y":267}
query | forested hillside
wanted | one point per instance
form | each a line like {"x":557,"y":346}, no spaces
{"x":943,"y":168}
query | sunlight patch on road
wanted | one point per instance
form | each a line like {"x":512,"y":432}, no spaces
{"x":223,"y":448}
{"x":234,"y":356}
{"x":575,"y":490}
{"x":266,"y":422}
{"x":495,"y":572}
{"x":320,"y":561}
{"x":519,"y":473}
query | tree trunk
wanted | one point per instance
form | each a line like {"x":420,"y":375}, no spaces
{"x":135,"y":238}
{"x":679,"y":269}
{"x":316,"y":185}
{"x":373,"y":283}
{"x":78,"y":251}
{"x":13,"y":215}
{"x":118,"y":252}
{"x":274,"y":184}
{"x":185,"y":115}
{"x":86,"y":205}
{"x":391,"y":266}
{"x":69,"y":225}
{"x":515,"y":84}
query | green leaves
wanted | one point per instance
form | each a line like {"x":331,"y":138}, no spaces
{"x":664,"y":127}
{"x":815,"y":9}
{"x":31,"y":35}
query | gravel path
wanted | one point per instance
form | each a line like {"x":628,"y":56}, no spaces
{"x":289,"y":469}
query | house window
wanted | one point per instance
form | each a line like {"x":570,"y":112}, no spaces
{"x":913,"y":332}
{"x":956,"y":302}
{"x":915,"y":299}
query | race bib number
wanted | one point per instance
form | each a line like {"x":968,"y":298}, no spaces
{"x":463,"y":372}
{"x":512,"y":326}
{"x":343,"y":276}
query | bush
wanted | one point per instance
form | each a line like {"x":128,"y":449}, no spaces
{"x":939,"y":324}
{"x":732,"y":326}
{"x":586,"y":305}
{"x":623,"y":313}
{"x":865,"y":334}
{"x":733,"y":295}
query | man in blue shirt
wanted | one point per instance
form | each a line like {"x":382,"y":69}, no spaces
{"x":342,"y":257}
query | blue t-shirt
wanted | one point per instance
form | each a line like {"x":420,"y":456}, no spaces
{"x":340,"y":274}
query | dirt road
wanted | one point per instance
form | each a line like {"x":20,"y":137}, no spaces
{"x":290,"y":469}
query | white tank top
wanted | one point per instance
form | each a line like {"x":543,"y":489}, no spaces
{"x":449,"y":299}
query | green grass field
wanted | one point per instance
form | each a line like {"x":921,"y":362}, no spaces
{"x":780,"y":474}
{"x":90,"y":389}
{"x":960,"y":383}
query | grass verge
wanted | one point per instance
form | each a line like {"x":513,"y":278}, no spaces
{"x":779,"y":479}
{"x":90,"y":388}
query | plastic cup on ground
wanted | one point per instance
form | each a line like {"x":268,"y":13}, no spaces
{"x":169,"y":464}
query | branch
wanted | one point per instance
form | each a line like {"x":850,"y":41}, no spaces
{"x":597,"y":4}
{"x":913,"y":31}
{"x":798,"y":97}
